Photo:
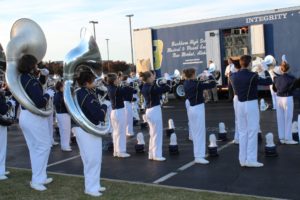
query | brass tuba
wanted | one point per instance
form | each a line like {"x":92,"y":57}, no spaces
{"x":86,"y":51}
{"x":26,"y":37}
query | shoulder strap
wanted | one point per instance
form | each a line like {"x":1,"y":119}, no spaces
{"x":250,"y":85}
{"x":84,"y":98}
{"x":27,"y":83}
{"x":198,"y":82}
{"x":150,"y":99}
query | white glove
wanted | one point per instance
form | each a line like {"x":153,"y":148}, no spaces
{"x":129,"y":80}
{"x":44,"y":72}
{"x":13,"y":103}
{"x":167,"y":77}
{"x":50,"y":92}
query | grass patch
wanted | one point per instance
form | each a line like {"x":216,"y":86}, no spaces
{"x":67,"y":187}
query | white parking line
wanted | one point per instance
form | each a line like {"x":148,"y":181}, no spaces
{"x":62,"y":161}
{"x":185,"y":166}
{"x":162,"y":179}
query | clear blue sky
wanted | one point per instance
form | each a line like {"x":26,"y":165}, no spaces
{"x":62,"y":20}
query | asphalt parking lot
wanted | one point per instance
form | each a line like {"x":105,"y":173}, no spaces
{"x":279,"y":177}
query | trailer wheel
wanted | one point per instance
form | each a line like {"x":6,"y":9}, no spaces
{"x":179,"y":91}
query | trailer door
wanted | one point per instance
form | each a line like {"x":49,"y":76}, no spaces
{"x":257,"y":40}
{"x":143,"y":49}
{"x":213,"y":52}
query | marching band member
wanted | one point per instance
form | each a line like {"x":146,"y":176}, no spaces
{"x":90,"y":146}
{"x":35,"y":127}
{"x":229,"y":69}
{"x":235,"y":102}
{"x":152,"y":93}
{"x":128,"y":99}
{"x":4,"y":108}
{"x":284,"y":85}
{"x":194,"y":93}
{"x":63,"y":117}
{"x":212,"y":94}
{"x":245,"y":84}
{"x":102,"y":91}
{"x":135,"y":103}
{"x":116,"y":95}
{"x":43,"y":79}
{"x":187,"y":106}
{"x":270,"y":62}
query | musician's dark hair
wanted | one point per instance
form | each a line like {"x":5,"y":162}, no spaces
{"x":189,"y":72}
{"x":230,"y":59}
{"x":27,"y":63}
{"x":153,"y":72}
{"x":284,"y":67}
{"x":237,"y":66}
{"x":245,"y":60}
{"x":124,"y":77}
{"x":145,"y":75}
{"x":59,"y":85}
{"x":111,"y":78}
{"x":85,"y":76}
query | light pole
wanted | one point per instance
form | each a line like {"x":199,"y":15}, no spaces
{"x":129,"y":17}
{"x":94,"y":22}
{"x":107,"y":49}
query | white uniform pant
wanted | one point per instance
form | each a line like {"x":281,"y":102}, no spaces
{"x":284,"y":111}
{"x":187,"y":106}
{"x":236,"y":131}
{"x":274,"y":97}
{"x":64,"y":125}
{"x":90,"y":147}
{"x":3,"y":146}
{"x":129,"y":118}
{"x":197,"y":124}
{"x":50,"y":127}
{"x":248,"y":127}
{"x":36,"y":132}
{"x":119,"y":130}
{"x":108,"y":112}
{"x":154,"y":119}
{"x":135,"y":112}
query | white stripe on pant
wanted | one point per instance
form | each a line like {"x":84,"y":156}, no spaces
{"x":154,"y":119}
{"x":248,"y":127}
{"x":284,"y":111}
{"x":50,"y":125}
{"x":108,"y":112}
{"x":36,"y":132}
{"x":197,"y":124}
{"x":274,"y":97}
{"x":119,"y":130}
{"x":90,"y":147}
{"x":64,"y":125}
{"x":129,"y":118}
{"x":187,"y":106}
{"x":236,"y":130}
{"x":3,"y":147}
